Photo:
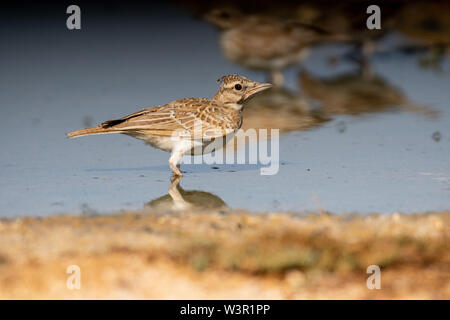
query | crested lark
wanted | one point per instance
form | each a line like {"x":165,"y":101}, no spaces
{"x":187,"y":126}
{"x":264,"y":42}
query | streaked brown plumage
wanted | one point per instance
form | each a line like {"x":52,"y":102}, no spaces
{"x":177,"y":115}
{"x":187,"y":125}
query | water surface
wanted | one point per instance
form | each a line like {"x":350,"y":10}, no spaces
{"x":53,"y":81}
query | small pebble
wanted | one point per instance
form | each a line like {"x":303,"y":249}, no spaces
{"x":436,"y":136}
{"x":341,"y":127}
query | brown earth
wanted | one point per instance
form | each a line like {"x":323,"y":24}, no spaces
{"x":226,"y":255}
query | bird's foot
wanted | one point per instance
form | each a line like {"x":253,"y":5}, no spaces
{"x":175,"y":179}
{"x":176,"y":170}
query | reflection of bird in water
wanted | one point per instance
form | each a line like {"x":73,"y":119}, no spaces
{"x":356,"y":94}
{"x":279,"y":108}
{"x":180,"y":199}
{"x":264,"y":42}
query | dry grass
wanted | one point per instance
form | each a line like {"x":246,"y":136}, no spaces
{"x":209,"y":255}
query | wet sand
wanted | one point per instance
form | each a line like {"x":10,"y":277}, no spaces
{"x":226,"y":254}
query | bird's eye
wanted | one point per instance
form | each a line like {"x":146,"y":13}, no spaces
{"x":224,"y":15}
{"x":238,"y":87}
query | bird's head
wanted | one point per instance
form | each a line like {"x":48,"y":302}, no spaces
{"x":235,"y":90}
{"x":224,"y":17}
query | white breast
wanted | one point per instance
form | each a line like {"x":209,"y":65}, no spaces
{"x":189,"y":146}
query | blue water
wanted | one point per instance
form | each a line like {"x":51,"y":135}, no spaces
{"x":53,"y":81}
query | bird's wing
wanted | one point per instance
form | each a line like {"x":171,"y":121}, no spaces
{"x":191,"y":117}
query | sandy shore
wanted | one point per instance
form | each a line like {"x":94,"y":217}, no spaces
{"x":226,"y":254}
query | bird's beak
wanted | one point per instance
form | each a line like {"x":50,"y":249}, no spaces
{"x":257,"y":88}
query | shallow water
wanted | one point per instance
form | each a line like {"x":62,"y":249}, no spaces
{"x":54,"y":81}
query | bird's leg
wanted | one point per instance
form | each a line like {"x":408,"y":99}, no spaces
{"x":175,"y":179}
{"x":276,"y":77}
{"x":175,"y":193}
{"x":174,"y":162}
{"x":175,"y":169}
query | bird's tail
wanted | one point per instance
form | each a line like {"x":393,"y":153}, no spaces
{"x":90,"y":131}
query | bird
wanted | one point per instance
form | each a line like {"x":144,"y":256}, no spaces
{"x":265,"y":42}
{"x":190,"y":125}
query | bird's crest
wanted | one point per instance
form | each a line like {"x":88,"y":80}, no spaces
{"x":231,"y":77}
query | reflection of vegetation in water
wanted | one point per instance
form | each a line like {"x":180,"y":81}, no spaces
{"x":180,"y":199}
